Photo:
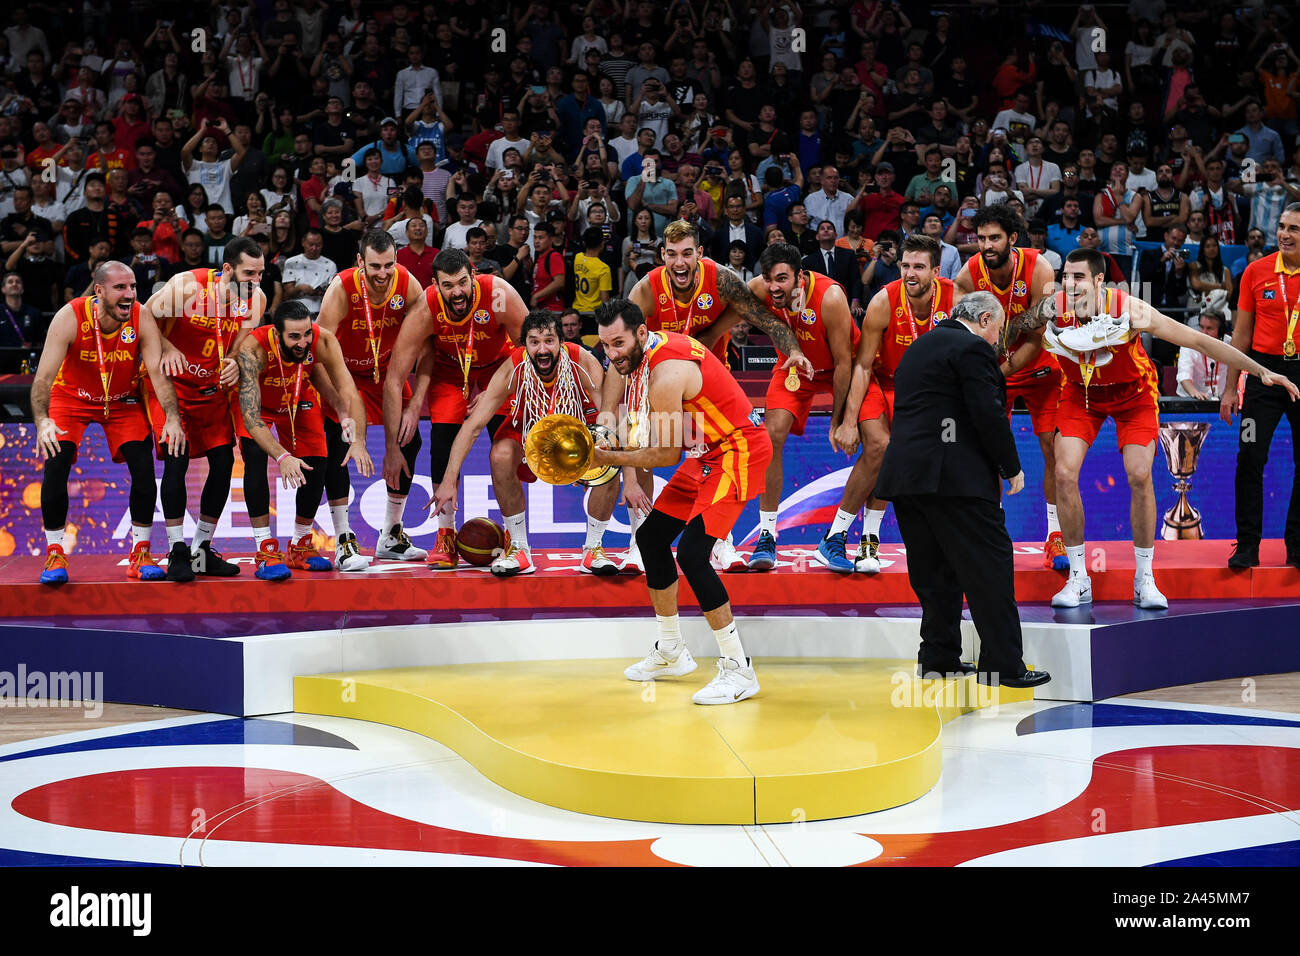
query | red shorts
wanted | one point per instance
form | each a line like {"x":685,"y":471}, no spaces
{"x":126,"y":421}
{"x":798,"y":403}
{"x":1134,"y":406}
{"x":447,"y":402}
{"x":720,"y":484}
{"x":372,"y":397}
{"x":208,"y":420}
{"x":879,"y":401}
{"x":1042,"y":396}
{"x":306,"y":437}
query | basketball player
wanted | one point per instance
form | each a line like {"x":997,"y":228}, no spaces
{"x":203,"y":315}
{"x":817,"y":311}
{"x":470,"y":323}
{"x":689,"y":294}
{"x":87,"y":373}
{"x":285,"y":370}
{"x":1113,"y":378}
{"x":1020,"y":278}
{"x":364,"y":307}
{"x":679,"y":395}
{"x":545,"y":376}
{"x":896,"y":316}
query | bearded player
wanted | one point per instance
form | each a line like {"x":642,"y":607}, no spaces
{"x":364,"y":307}
{"x":545,"y":376}
{"x":1108,"y":375}
{"x":1019,"y":279}
{"x":816,"y":309}
{"x":683,"y":397}
{"x":467,"y":325}
{"x":689,"y":294}
{"x":285,"y":369}
{"x":897,"y":315}
{"x":88,"y":374}
{"x":203,"y":315}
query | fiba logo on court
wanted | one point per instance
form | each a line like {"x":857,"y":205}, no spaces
{"x":482,"y":317}
{"x":808,"y":316}
{"x":1020,"y":289}
{"x":705,"y":301}
{"x":396,"y":302}
{"x":128,"y":335}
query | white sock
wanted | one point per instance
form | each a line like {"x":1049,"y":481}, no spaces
{"x":1143,"y":558}
{"x":767,"y":521}
{"x":54,"y":537}
{"x":670,"y":635}
{"x":204,"y":533}
{"x":1053,"y":523}
{"x":842,"y":521}
{"x":339,"y":513}
{"x":175,"y":535}
{"x":260,"y":535}
{"x":301,"y":528}
{"x":393,"y":511}
{"x":595,"y":531}
{"x":871,"y":522}
{"x":139,"y":534}
{"x":634,"y":521}
{"x":447,"y":521}
{"x":729,"y":644}
{"x":1075,"y":554}
{"x":517,"y":530}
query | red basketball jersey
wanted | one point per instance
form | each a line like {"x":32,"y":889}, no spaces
{"x":520,"y":355}
{"x":361,"y":337}
{"x":1014,"y":299}
{"x":905,"y":327}
{"x":720,"y":412}
{"x":702,"y":310}
{"x":1130,"y":364}
{"x":809,"y":328}
{"x":283,"y":382}
{"x":490,"y":343}
{"x":117,"y":354}
{"x":205,"y":330}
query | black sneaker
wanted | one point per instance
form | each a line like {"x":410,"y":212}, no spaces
{"x":1244,"y":556}
{"x":178,"y":563}
{"x":207,"y":560}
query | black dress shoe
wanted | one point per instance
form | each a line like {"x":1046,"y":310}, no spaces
{"x":178,"y":563}
{"x":961,"y":669}
{"x":1244,"y":556}
{"x":1024,"y":679}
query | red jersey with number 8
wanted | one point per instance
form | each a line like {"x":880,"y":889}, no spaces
{"x":451,"y":339}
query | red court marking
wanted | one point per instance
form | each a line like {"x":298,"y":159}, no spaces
{"x":256,"y":805}
{"x":1137,"y":789}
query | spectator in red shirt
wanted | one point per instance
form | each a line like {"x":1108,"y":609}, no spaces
{"x":165,"y":226}
{"x":880,"y":209}
{"x":108,"y":155}
{"x":45,"y":148}
{"x":1010,"y":78}
{"x":416,"y":256}
{"x":132,"y":125}
{"x":312,"y":190}
{"x":548,"y":276}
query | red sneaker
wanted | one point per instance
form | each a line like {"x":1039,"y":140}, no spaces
{"x":143,"y":567}
{"x":56,"y":566}
{"x":304,"y":556}
{"x":270,"y":562}
{"x":1054,"y":556}
{"x":443,"y":556}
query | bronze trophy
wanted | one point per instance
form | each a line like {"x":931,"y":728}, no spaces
{"x":1181,"y":442}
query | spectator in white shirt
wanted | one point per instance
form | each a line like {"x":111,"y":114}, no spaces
{"x":410,"y":207}
{"x":510,"y":137}
{"x":23,"y":38}
{"x":829,"y":202}
{"x":414,"y":81}
{"x":1037,"y":178}
{"x":306,"y":275}
{"x":1198,"y":375}
{"x":466,"y":210}
{"x":213,"y":174}
{"x":372,"y":189}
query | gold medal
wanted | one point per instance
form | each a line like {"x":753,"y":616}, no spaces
{"x":792,"y":379}
{"x":1288,"y":348}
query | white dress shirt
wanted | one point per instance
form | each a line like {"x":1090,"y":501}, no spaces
{"x":1205,"y":373}
{"x":411,"y":85}
{"x":312,"y":272}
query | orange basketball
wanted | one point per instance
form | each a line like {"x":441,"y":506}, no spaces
{"x":479,"y":540}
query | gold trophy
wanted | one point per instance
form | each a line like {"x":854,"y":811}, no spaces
{"x":1181,"y":443}
{"x":560,"y":450}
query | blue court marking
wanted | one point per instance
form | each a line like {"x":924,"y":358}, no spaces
{"x":1078,"y":716}
{"x":28,"y":858}
{"x":1270,"y":854}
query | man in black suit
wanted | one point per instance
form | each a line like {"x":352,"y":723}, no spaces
{"x":837,"y":262}
{"x":733,"y":226}
{"x":950,"y":443}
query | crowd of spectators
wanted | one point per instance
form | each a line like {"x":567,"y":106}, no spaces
{"x":554,"y":141}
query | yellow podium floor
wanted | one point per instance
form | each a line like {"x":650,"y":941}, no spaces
{"x":823,"y":738}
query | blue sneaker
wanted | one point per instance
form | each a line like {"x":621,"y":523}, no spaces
{"x":56,"y":566}
{"x":303,"y":556}
{"x":270,"y":562}
{"x":764,"y":556}
{"x":831,"y":554}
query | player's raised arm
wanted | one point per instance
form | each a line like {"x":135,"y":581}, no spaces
{"x":752,"y":310}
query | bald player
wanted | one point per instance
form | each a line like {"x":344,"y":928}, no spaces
{"x":88,"y":374}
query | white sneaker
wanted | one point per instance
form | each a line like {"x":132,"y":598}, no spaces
{"x":734,"y":683}
{"x":656,"y":664}
{"x":396,"y":546}
{"x":867,"y":561}
{"x":632,"y":561}
{"x":1077,"y":590}
{"x":348,"y":556}
{"x":516,"y":560}
{"x":1146,"y":595}
{"x":726,"y":557}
